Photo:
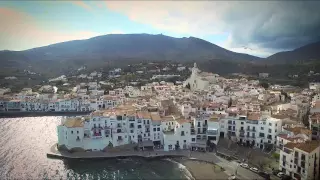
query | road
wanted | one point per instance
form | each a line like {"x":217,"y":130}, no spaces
{"x":229,"y":166}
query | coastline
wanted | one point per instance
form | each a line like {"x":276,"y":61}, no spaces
{"x":195,"y":168}
{"x":199,"y":169}
{"x":7,"y":114}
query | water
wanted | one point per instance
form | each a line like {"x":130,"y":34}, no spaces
{"x":25,"y":141}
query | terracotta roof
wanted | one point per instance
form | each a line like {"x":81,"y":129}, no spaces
{"x":143,"y":115}
{"x":155,"y":116}
{"x":182,"y":121}
{"x":307,"y":146}
{"x":285,"y":136}
{"x":315,"y":118}
{"x":168,"y":118}
{"x":299,"y":130}
{"x":254,"y":116}
{"x":74,"y":122}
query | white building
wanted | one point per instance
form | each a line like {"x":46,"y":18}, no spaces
{"x":300,"y":160}
{"x":252,"y":129}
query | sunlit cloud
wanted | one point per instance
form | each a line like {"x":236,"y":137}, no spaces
{"x":82,"y":5}
{"x":21,"y":30}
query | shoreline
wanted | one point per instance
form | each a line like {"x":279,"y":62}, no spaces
{"x":195,"y":168}
{"x":7,"y":114}
{"x":199,"y":169}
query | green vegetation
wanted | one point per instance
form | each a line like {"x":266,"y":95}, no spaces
{"x":264,"y":84}
{"x":276,"y":155}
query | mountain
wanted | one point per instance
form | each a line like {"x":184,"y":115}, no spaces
{"x":98,"y":51}
{"x":307,"y":53}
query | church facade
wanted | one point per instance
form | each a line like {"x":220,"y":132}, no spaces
{"x":199,"y":80}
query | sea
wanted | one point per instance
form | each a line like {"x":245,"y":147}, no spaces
{"x":25,"y":141}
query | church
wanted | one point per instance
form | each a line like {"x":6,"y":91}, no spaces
{"x":199,"y":80}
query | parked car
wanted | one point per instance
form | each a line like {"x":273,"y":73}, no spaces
{"x":244,"y":165}
{"x":286,"y":177}
{"x":275,"y":172}
{"x":265,"y":175}
{"x":254,"y":169}
{"x":232,"y":177}
{"x":280,"y":174}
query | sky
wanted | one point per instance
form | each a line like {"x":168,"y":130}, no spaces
{"x":259,"y":28}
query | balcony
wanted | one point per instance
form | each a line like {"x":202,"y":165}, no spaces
{"x":241,"y":130}
{"x":131,"y":126}
{"x":253,"y":137}
{"x":252,"y":130}
{"x":97,"y":135}
{"x":242,"y":135}
{"x":97,"y":128}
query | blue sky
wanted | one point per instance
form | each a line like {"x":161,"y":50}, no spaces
{"x":71,"y":17}
{"x":238,"y":26}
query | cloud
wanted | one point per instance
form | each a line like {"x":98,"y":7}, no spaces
{"x":268,"y":26}
{"x":82,"y":5}
{"x":21,"y":31}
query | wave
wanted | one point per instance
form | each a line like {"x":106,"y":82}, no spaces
{"x":187,"y":173}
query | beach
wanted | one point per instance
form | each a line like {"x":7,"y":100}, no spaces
{"x":202,"y":170}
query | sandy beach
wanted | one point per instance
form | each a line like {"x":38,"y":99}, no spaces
{"x":202,"y":170}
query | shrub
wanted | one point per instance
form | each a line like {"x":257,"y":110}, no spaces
{"x":276,"y":155}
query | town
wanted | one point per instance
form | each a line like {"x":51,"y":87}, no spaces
{"x":236,"y":117}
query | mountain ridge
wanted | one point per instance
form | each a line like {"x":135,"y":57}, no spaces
{"x":99,"y":51}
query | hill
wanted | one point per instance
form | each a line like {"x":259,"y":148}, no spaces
{"x":307,"y":53}
{"x":99,"y":51}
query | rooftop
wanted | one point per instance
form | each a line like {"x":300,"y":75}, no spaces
{"x":299,"y":130}
{"x":307,"y":146}
{"x":74,"y":122}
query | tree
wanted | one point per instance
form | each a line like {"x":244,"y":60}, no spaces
{"x":264,"y":84}
{"x":110,"y":145}
{"x":177,"y":146}
{"x":59,"y":83}
{"x":249,"y":155}
{"x":188,"y":86}
{"x":262,"y":163}
{"x":230,"y":102}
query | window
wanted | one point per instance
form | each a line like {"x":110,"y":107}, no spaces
{"x":193,"y":139}
{"x":154,"y":129}
{"x":262,"y":128}
{"x":170,"y":147}
{"x":182,"y":133}
{"x":270,"y":124}
{"x":184,"y":141}
{"x":139,"y":126}
{"x":71,"y":132}
{"x":158,"y":129}
{"x":242,"y":122}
